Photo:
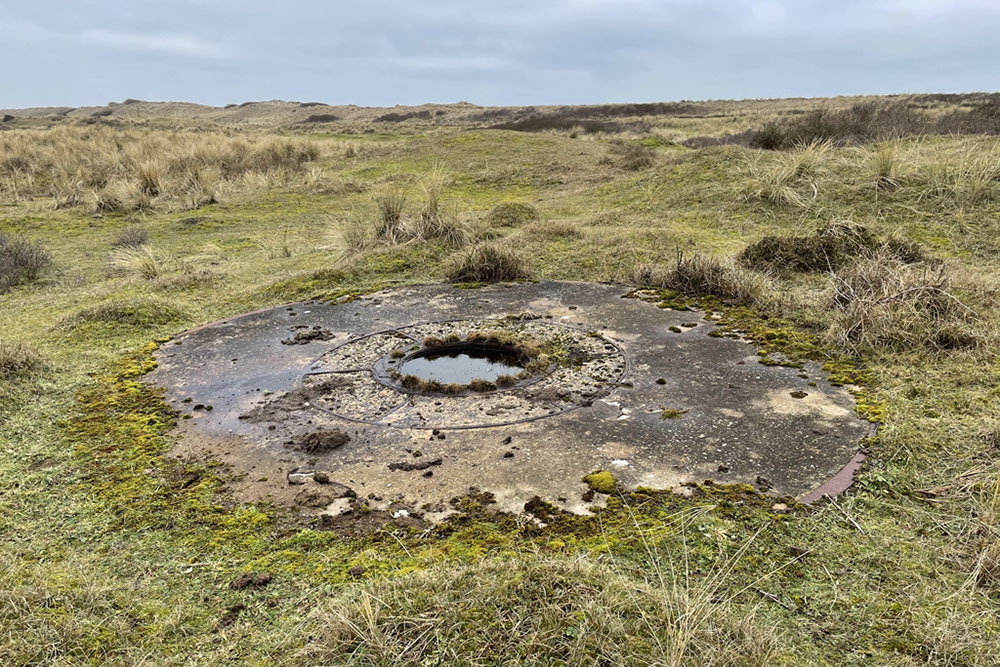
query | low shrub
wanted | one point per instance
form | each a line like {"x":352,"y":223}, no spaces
{"x":22,"y":261}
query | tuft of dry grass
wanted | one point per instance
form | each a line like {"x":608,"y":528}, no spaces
{"x":390,"y":223}
{"x":881,"y":302}
{"x":704,"y":275}
{"x":969,"y":178}
{"x":18,"y":360}
{"x":490,"y":262}
{"x":132,"y":236}
{"x":884,"y":165}
{"x":143,"y":260}
{"x":788,"y":180}
{"x":511,"y":214}
{"x":534,"y":611}
{"x":22,"y":261}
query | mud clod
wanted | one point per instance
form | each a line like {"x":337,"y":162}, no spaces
{"x":320,"y":442}
{"x":423,"y":465}
{"x":321,"y":497}
{"x":303,"y":335}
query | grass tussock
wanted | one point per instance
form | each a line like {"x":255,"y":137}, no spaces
{"x":491,"y":262}
{"x":112,"y":170}
{"x":827,"y":249}
{"x":880,"y":302}
{"x":144,"y":261}
{"x":393,"y":225}
{"x":629,"y":155}
{"x":129,"y":312}
{"x":787,"y":180}
{"x":511,"y":214}
{"x":22,"y":261}
{"x":19,"y":360}
{"x":969,"y":178}
{"x":534,"y":611}
{"x":704,"y":275}
{"x":133,"y":236}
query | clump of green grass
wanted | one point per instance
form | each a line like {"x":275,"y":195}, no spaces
{"x":511,"y":214}
{"x":18,"y":360}
{"x":490,"y":262}
{"x":130,"y":312}
{"x":22,"y":261}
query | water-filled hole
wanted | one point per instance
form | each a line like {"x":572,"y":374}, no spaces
{"x":462,"y":365}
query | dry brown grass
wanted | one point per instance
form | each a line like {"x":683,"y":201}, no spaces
{"x":534,"y":611}
{"x":18,"y":360}
{"x":704,"y":275}
{"x":145,"y":261}
{"x":788,"y":179}
{"x":118,"y":170}
{"x":22,"y":261}
{"x":491,"y":262}
{"x":881,"y":302}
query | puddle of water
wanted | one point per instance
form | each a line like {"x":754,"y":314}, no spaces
{"x":462,"y":366}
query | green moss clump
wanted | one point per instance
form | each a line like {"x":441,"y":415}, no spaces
{"x":601,"y":481}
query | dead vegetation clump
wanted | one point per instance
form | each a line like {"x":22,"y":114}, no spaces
{"x":704,"y":275}
{"x":553,"y":231}
{"x":880,"y":302}
{"x":511,"y":214}
{"x":489,"y":262}
{"x":19,"y":360}
{"x":826,"y":249}
{"x":114,"y":170}
{"x":22,"y":261}
{"x":132,"y":236}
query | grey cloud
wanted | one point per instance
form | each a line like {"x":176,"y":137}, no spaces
{"x":498,"y":52}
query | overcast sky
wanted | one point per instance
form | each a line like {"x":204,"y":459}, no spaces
{"x":382,"y":52}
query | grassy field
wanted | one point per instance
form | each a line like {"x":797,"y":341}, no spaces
{"x":872,"y":244}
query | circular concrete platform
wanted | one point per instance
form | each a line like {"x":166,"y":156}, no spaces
{"x":298,"y":401}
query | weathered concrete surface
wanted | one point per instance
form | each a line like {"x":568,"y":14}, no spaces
{"x":247,"y":399}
